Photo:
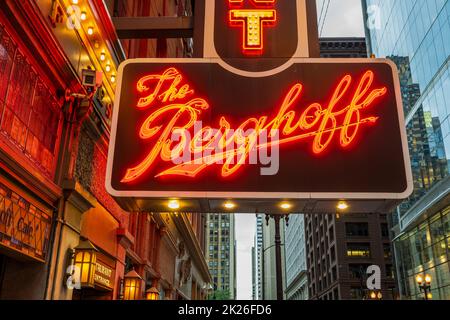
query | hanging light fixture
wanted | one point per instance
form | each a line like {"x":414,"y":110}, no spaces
{"x":132,"y":284}
{"x":85,"y":259}
{"x":152,"y":294}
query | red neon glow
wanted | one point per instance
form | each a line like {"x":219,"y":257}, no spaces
{"x":256,"y":2}
{"x":317,"y":122}
{"x":252,"y":23}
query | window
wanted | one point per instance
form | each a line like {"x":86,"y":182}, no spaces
{"x":336,"y":294}
{"x":387,"y":250}
{"x":358,"y":250}
{"x":390,"y":271}
{"x":356,"y":229}
{"x":29,"y":111}
{"x":334,"y":273}
{"x":384,"y":230}
{"x":356,"y":293}
{"x":358,"y":271}
{"x":333,"y":254}
{"x":330,"y":234}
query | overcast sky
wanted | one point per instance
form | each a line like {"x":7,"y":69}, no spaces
{"x":344,"y":19}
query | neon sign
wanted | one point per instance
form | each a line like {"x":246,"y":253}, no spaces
{"x":174,"y":103}
{"x":252,"y":23}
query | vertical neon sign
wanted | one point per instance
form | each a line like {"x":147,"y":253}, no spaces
{"x":252,"y":23}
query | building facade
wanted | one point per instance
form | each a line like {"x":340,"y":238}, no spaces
{"x":414,"y":34}
{"x":340,"y":248}
{"x":221,"y":253}
{"x":343,"y":48}
{"x":257,"y":257}
{"x":268,"y":259}
{"x":55,"y":214}
{"x":296,"y":266}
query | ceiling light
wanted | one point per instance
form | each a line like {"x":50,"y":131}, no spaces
{"x":342,"y":205}
{"x":285,"y":206}
{"x":229,"y":205}
{"x":173,"y":204}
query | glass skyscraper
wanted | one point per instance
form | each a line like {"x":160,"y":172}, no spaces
{"x":415,"y":34}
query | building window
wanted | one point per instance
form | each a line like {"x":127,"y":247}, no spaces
{"x":390,"y":271}
{"x":334,"y":273}
{"x":387,"y":250}
{"x":356,"y":229}
{"x":357,"y":271}
{"x":336,"y":294}
{"x":356,"y":293}
{"x":333,"y":254}
{"x":29,"y":111}
{"x":384,"y":230}
{"x":358,"y":250}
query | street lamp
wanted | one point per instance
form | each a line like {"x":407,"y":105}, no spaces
{"x":152,"y":294}
{"x":85,"y":260}
{"x":132,"y":284}
{"x":424,"y":283}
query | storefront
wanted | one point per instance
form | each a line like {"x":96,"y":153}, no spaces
{"x":25,"y":233}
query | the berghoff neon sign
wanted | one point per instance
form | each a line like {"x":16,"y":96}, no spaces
{"x":256,"y":123}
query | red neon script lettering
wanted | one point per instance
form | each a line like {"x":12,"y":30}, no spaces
{"x":169,"y":93}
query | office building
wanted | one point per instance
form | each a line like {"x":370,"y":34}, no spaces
{"x":414,"y":34}
{"x":257,"y":268}
{"x":221,"y":254}
{"x":296,"y":267}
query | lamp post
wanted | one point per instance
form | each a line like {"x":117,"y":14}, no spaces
{"x":424,"y":283}
{"x":132,"y":284}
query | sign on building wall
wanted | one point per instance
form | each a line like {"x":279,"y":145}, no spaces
{"x":24,"y":227}
{"x":254,"y":127}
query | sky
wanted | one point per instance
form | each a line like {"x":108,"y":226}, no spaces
{"x":343,"y":19}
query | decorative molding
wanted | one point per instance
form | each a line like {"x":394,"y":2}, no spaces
{"x":18,"y":167}
{"x":190,"y":239}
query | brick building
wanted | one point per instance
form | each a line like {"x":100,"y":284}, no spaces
{"x":55,"y":214}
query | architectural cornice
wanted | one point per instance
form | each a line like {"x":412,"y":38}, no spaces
{"x":19,"y":167}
